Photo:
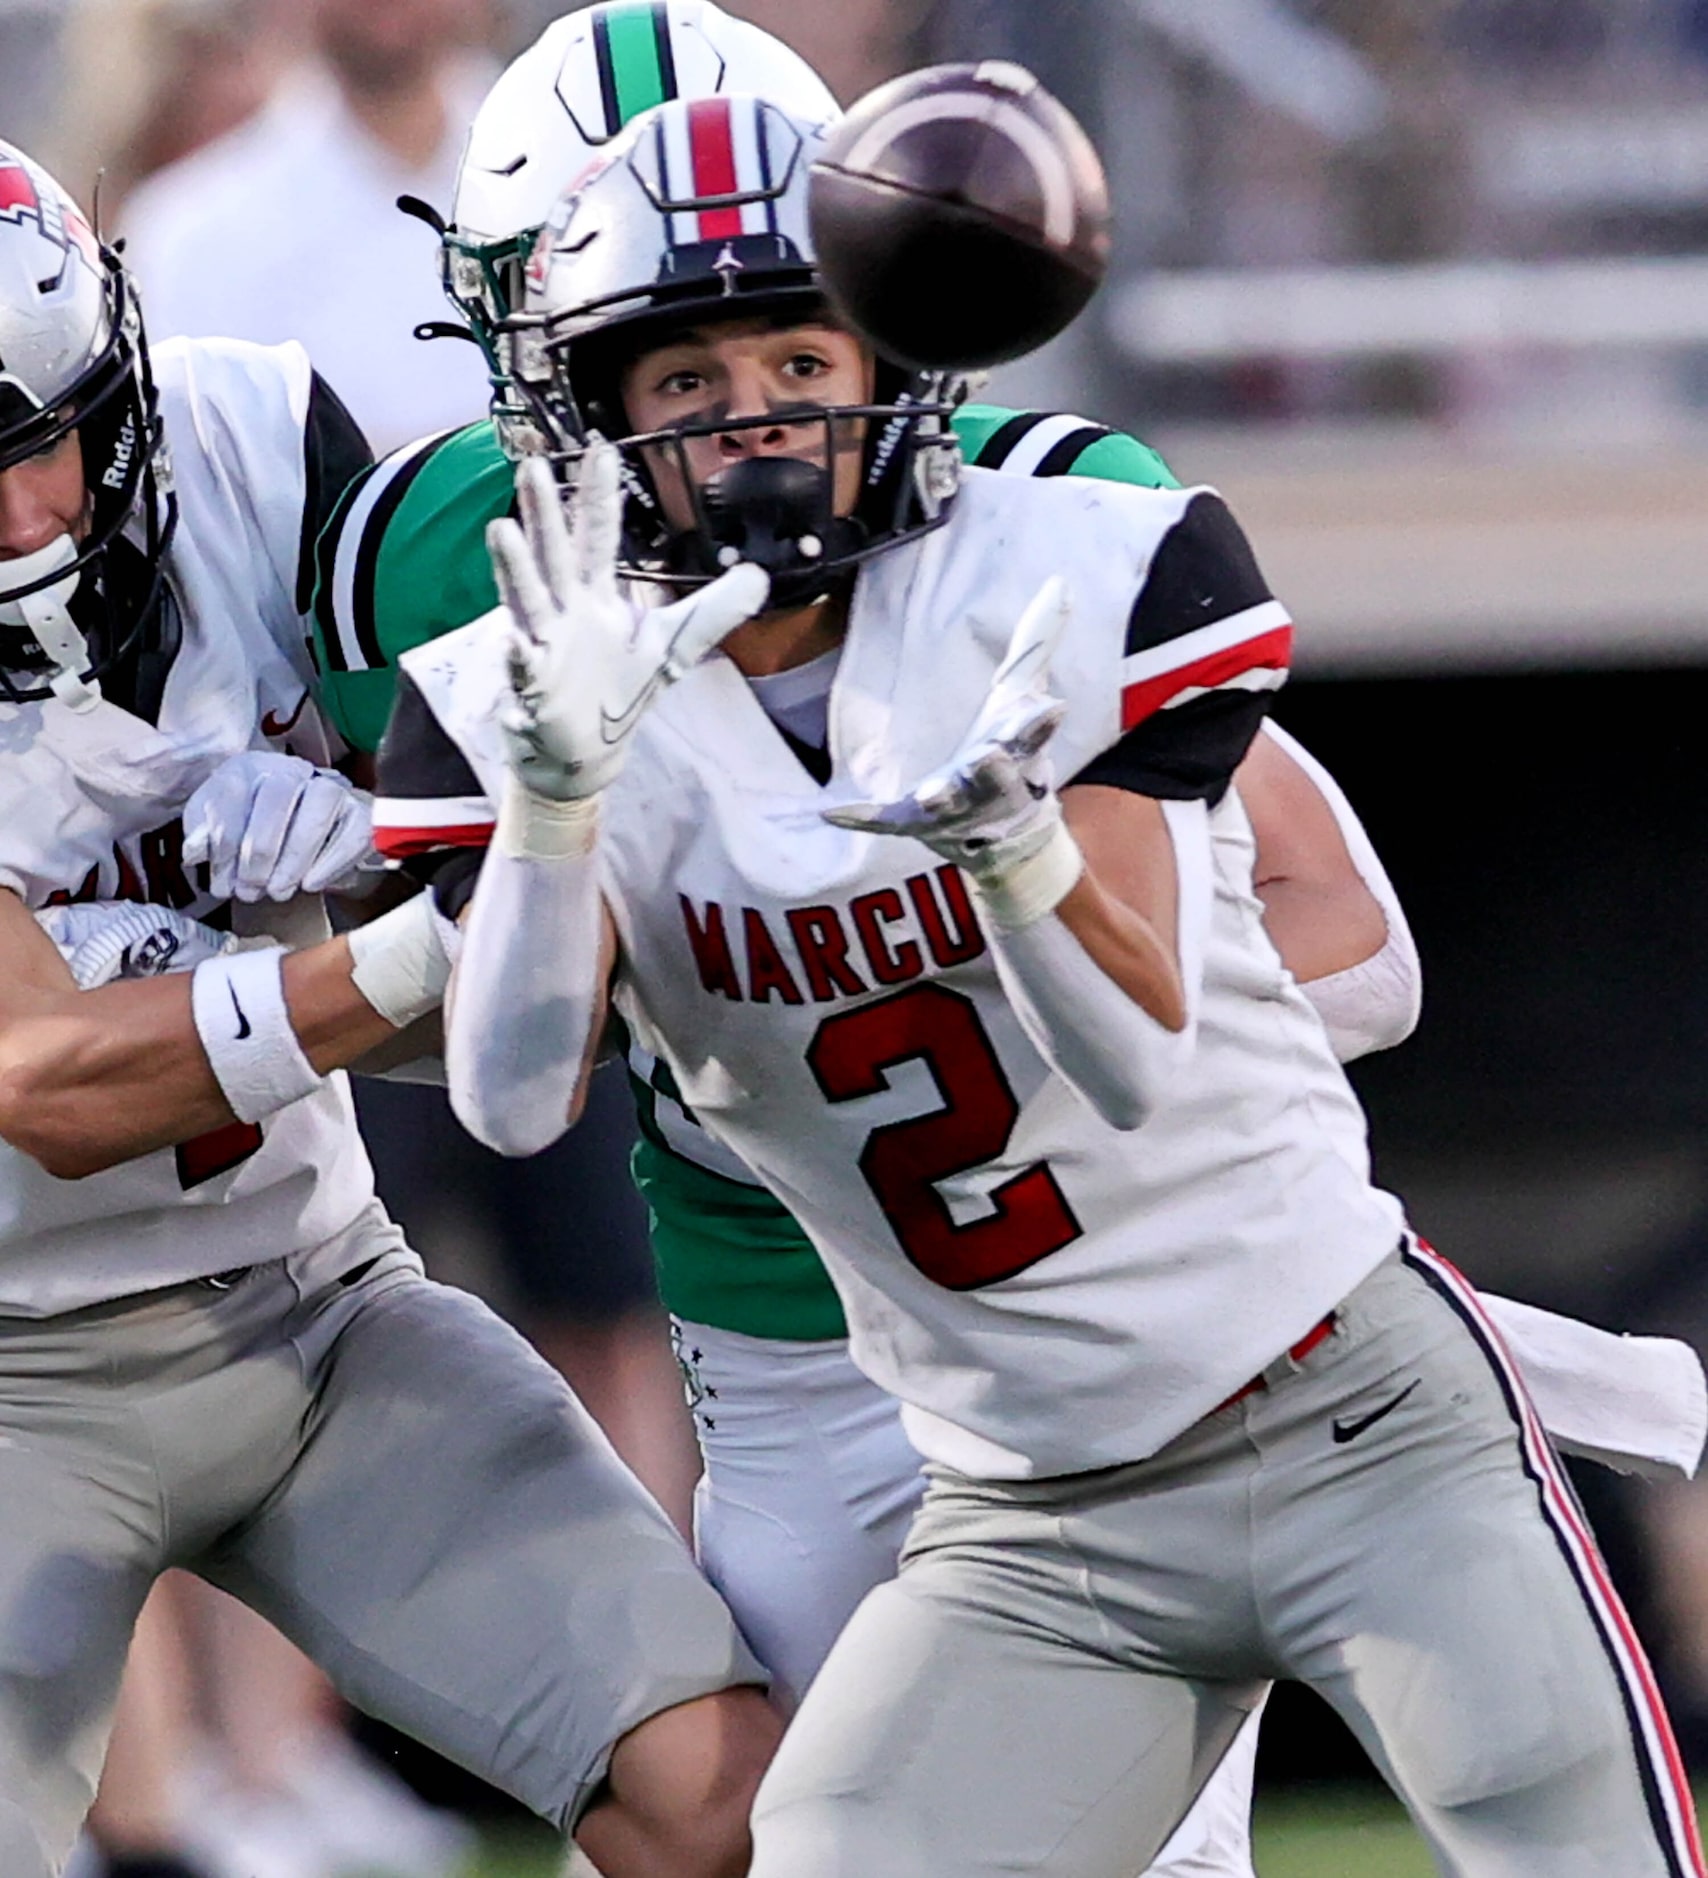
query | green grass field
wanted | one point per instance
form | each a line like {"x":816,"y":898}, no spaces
{"x":1330,"y":1833}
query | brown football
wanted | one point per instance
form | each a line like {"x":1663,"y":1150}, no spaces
{"x":960,"y":216}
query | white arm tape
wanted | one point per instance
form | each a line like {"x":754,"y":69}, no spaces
{"x":526,"y":994}
{"x":1370,"y":1006}
{"x":401,"y":961}
{"x":238,"y":1002}
{"x":1375,"y":1004}
{"x":1036,"y":884}
{"x":1121,"y":1060}
{"x":1638,"y":1404}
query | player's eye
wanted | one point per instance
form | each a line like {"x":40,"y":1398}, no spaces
{"x":57,"y":447}
{"x":807,"y":365}
{"x":681,"y":383}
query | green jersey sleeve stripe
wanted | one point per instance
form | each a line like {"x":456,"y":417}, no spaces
{"x":994,"y":451}
{"x":1118,"y":458}
{"x":359,"y":541}
{"x":1061,"y":457}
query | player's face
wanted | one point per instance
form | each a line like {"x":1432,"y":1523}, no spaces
{"x":745,"y":369}
{"x":42,"y":498}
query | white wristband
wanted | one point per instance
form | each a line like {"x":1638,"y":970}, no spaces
{"x":400,"y":963}
{"x":238,"y":1001}
{"x":1025,"y":890}
{"x":540,"y":828}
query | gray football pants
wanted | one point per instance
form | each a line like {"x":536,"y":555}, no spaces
{"x":1047,"y":1683}
{"x":378,"y":1465}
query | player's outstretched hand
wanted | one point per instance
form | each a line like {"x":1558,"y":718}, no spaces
{"x":271,"y":826}
{"x":585,"y":659}
{"x":993,"y":804}
{"x":104,"y":940}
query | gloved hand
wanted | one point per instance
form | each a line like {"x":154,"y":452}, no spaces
{"x":104,"y":940}
{"x":585,"y":659}
{"x":992,"y":808}
{"x":272,"y":826}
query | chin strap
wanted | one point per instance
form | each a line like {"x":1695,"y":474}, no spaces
{"x":46,"y":616}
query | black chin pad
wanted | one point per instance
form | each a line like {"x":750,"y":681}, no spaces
{"x":764,"y":505}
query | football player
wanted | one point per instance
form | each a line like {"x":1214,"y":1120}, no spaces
{"x":1199,"y":1410}
{"x":810,"y":1480}
{"x":792,"y":1543}
{"x":215,"y":1350}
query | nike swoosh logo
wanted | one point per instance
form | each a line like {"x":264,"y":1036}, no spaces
{"x":273,"y":726}
{"x":243,"y":1022}
{"x":615,"y":729}
{"x":1350,"y":1427}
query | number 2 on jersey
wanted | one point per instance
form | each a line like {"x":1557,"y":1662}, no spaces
{"x":903,"y":1161}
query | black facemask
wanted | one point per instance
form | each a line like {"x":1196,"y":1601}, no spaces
{"x":778,"y":512}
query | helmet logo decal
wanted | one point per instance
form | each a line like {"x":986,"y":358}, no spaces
{"x":18,"y":192}
{"x":726,"y":266}
{"x":23,"y":200}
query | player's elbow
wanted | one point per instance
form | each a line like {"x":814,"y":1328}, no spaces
{"x":512,"y":1128}
{"x":40,"y":1120}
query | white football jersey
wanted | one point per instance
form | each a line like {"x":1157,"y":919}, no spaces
{"x":1044,"y":1293}
{"x":90,"y":805}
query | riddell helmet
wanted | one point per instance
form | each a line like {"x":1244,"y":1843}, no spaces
{"x":698,"y":214}
{"x":73,"y":358}
{"x":553,"y":110}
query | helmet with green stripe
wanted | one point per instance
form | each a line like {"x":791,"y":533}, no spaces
{"x":551,"y":112}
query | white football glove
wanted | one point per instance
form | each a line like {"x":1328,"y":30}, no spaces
{"x":585,"y":659}
{"x":272,"y":826}
{"x":105,"y":940}
{"x":992,"y":808}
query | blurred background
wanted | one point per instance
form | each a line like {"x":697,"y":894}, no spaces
{"x":1422,"y":286}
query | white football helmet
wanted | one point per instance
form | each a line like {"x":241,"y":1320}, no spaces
{"x":73,"y":358}
{"x":553,"y":110}
{"x":697,"y":214}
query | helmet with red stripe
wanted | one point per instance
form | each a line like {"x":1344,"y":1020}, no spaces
{"x":698,"y":216}
{"x":73,"y":360}
{"x":555,"y":108}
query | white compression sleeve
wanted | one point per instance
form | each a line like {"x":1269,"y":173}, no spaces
{"x":1120,"y":1059}
{"x":1374,"y":1004}
{"x":525,"y":995}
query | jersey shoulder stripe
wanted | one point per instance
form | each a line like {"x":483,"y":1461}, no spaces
{"x":349,"y":548}
{"x":1204,"y":618}
{"x":1041,"y":443}
{"x":1248,"y":651}
{"x":403,"y":561}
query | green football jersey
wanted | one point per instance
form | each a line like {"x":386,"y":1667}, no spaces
{"x":403,"y":560}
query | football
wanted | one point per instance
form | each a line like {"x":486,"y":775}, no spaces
{"x":960,"y":216}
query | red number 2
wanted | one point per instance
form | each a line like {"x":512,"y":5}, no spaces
{"x":903,"y":1161}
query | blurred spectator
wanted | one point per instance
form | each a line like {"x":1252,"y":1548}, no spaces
{"x":287,"y":228}
{"x":29,"y":64}
{"x":146,"y":82}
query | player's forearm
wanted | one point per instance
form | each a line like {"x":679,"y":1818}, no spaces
{"x":89,"y":1079}
{"x":527,"y":1002}
{"x":1103,"y":994}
